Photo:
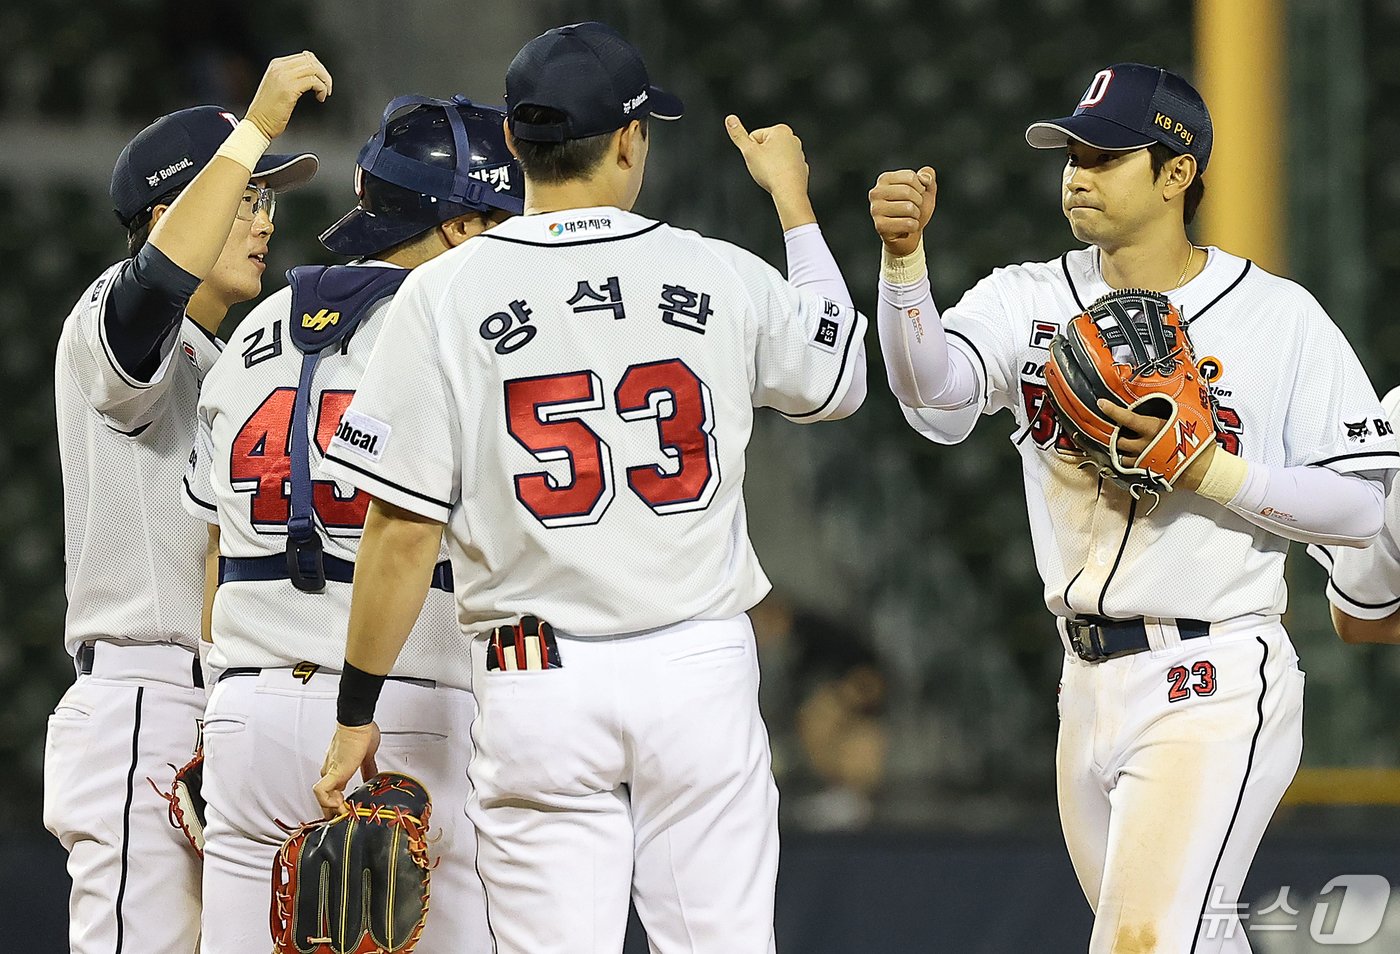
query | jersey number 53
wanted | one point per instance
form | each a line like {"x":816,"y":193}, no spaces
{"x":545,"y":416}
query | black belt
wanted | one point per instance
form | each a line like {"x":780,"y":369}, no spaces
{"x":1096,"y":638}
{"x":87,"y":652}
{"x":264,"y":568}
{"x":303,"y":671}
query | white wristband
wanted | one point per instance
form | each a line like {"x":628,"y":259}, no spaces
{"x":1224,"y":477}
{"x":903,"y":269}
{"x":245,"y":145}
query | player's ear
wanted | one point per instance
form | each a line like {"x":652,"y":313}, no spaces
{"x":510,"y":140}
{"x":1180,"y":173}
{"x":630,"y":145}
{"x":157,"y":212}
{"x":456,"y":231}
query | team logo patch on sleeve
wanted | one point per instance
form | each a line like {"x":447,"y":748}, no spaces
{"x":361,"y":435}
{"x":828,"y":327}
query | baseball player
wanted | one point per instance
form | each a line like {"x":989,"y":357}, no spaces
{"x":583,"y":385}
{"x":194,"y":191}
{"x":434,"y":175}
{"x":1363,"y":585}
{"x":1181,"y":699}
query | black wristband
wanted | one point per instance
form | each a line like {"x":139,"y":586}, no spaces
{"x":359,"y":693}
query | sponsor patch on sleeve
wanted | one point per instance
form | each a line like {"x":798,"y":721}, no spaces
{"x":828,"y":332}
{"x":361,"y":435}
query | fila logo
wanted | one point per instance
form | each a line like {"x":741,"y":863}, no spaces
{"x":1042,"y":332}
{"x":1098,"y":87}
{"x":319,"y":321}
{"x":304,"y":671}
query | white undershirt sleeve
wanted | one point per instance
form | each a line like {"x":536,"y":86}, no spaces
{"x":1312,"y":504}
{"x":923,"y":371}
{"x":811,"y":265}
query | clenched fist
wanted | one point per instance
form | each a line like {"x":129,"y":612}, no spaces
{"x":286,"y":79}
{"x":901,"y":204}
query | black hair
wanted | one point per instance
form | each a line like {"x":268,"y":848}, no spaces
{"x":138,"y":230}
{"x":1161,"y":155}
{"x":555,"y":162}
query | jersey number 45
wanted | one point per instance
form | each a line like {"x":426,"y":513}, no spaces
{"x":260,"y":464}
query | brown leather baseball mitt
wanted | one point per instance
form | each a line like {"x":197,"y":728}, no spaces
{"x":1132,"y":348}
{"x":357,"y":884}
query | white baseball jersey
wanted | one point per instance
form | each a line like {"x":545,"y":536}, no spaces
{"x":240,"y":479}
{"x":572,"y":393}
{"x":132,"y":555}
{"x":1365,"y":583}
{"x":1290,"y":390}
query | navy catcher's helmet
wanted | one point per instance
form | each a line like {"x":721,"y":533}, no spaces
{"x":431,"y":160}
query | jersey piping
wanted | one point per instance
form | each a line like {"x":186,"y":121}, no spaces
{"x":389,"y":483}
{"x":589,"y":241}
{"x":840,"y":376}
{"x":1244,"y":783}
{"x":984,"y":397}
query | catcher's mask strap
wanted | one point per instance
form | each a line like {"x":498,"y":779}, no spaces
{"x":455,"y":185}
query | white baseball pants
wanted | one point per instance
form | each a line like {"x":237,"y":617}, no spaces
{"x":135,"y":878}
{"x":640,"y":768}
{"x":265,"y":736}
{"x":1170,"y":764}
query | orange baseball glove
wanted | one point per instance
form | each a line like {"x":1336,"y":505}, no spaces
{"x":1131,"y":347}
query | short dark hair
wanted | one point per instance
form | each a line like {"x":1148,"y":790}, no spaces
{"x":1160,"y":156}
{"x":554,"y":162}
{"x":426,"y":235}
{"x":138,"y":231}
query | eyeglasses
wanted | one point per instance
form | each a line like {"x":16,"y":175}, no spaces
{"x":257,"y":199}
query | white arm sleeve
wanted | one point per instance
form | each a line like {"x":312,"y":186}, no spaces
{"x":811,"y":265}
{"x":1313,"y":505}
{"x":923,"y":371}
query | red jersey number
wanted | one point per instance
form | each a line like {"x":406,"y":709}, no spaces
{"x":260,"y":464}
{"x":543,"y":415}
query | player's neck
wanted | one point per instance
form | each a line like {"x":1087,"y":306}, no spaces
{"x":206,"y":309}
{"x":1157,"y":261}
{"x":541,"y":197}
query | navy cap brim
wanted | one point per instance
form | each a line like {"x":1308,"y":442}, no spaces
{"x":360,"y":232}
{"x":1090,"y":130}
{"x":284,"y":172}
{"x":664,"y":105}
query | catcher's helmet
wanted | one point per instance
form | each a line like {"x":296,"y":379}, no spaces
{"x":430,"y":161}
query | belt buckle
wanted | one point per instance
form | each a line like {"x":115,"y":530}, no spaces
{"x":1084,"y":640}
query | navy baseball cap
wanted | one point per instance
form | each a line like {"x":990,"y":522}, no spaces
{"x":171,"y":151}
{"x":588,"y":72}
{"x":430,"y":160}
{"x":1131,"y":106}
